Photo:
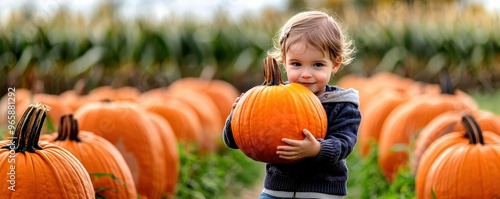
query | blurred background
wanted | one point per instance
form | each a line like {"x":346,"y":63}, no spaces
{"x":52,"y":46}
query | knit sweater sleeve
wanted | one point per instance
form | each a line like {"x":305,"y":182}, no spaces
{"x":227,"y":133}
{"x":342,"y":133}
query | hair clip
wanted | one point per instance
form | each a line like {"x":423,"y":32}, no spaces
{"x":284,"y":35}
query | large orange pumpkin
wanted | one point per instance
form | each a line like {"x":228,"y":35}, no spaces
{"x":171,"y":153}
{"x":461,"y":167}
{"x":98,"y":156}
{"x":265,"y":114}
{"x":450,"y":122}
{"x":128,"y":128}
{"x":40,"y":169}
{"x":402,"y":124}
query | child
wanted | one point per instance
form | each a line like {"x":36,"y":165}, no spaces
{"x":312,"y":48}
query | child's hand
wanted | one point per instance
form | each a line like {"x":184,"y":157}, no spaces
{"x":236,"y":100}
{"x":299,"y":149}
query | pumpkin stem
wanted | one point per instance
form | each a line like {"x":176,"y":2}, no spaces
{"x":272,"y":73}
{"x":29,"y":128}
{"x":68,"y":128}
{"x":472,"y":129}
{"x":445,"y":83}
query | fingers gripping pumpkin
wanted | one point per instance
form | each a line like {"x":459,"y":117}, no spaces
{"x":267,"y":113}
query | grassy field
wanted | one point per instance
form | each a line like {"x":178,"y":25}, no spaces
{"x":490,"y":102}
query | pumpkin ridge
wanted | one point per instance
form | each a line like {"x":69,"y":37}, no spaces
{"x":290,"y":99}
{"x":257,"y":98}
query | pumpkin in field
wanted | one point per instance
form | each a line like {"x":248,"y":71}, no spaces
{"x":127,"y":127}
{"x":125,"y":93}
{"x":217,"y":97}
{"x":98,"y":156}
{"x":221,"y":92}
{"x":40,"y":169}
{"x":265,"y":114}
{"x":403,"y":123}
{"x":374,"y":116}
{"x":207,"y":113}
{"x":450,"y":122}
{"x":181,"y":117}
{"x":72,"y":99}
{"x":171,"y":153}
{"x":57,"y":109}
{"x":458,"y":166}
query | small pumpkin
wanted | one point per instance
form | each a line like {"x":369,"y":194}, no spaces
{"x":267,"y":113}
{"x":40,"y":169}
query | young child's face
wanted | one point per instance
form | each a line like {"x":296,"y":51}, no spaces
{"x":309,"y":66}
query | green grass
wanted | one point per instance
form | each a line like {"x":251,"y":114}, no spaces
{"x":216,"y":175}
{"x":488,"y":101}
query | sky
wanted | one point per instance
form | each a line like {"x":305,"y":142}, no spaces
{"x":152,"y":8}
{"x":161,"y":8}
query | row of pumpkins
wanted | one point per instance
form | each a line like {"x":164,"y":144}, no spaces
{"x":451,"y":146}
{"x":111,"y":142}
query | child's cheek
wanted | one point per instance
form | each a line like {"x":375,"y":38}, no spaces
{"x":292,"y":76}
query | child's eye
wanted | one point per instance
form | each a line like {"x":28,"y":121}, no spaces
{"x":295,"y":64}
{"x":318,"y":65}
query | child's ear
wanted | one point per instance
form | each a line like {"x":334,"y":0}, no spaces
{"x":336,"y":64}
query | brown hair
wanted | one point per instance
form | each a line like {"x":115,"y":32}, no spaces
{"x":319,"y":30}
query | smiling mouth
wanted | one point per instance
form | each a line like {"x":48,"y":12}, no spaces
{"x":303,"y":83}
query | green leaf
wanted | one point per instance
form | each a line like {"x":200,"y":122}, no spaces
{"x":98,"y":175}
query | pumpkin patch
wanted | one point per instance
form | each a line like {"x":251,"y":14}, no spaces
{"x":144,"y":98}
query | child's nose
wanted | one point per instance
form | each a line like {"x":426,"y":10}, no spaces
{"x":306,"y":73}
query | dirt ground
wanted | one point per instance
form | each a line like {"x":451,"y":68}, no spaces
{"x":254,"y":192}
